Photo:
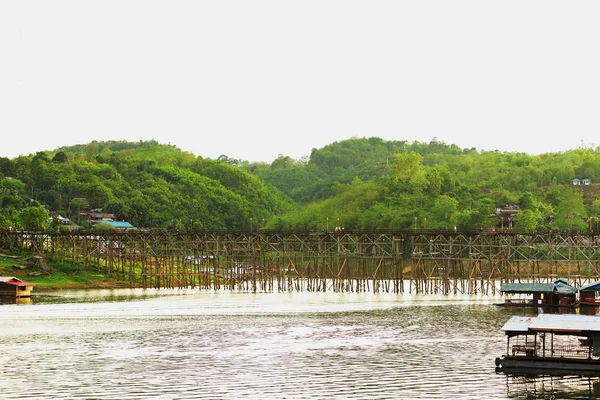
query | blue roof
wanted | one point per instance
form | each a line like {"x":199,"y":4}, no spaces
{"x":119,"y":224}
{"x":592,"y":287}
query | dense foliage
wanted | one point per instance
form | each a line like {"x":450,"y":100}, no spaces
{"x":147,"y":184}
{"x":369,"y":183}
{"x":360,"y":183}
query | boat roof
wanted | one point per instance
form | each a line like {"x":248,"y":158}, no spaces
{"x":559,"y":323}
{"x":518,"y":324}
{"x":559,"y":286}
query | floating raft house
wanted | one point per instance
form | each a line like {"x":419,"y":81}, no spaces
{"x":557,"y":293}
{"x":11,"y":286}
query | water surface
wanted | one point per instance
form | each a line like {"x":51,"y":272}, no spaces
{"x":185,"y":344}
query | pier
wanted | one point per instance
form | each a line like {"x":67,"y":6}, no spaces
{"x":429,"y":262}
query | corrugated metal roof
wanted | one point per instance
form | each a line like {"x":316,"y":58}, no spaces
{"x":564,"y":288}
{"x":567,"y":323}
{"x":518,"y":324}
{"x":558,"y":286}
{"x":527,"y":287}
{"x":572,"y":323}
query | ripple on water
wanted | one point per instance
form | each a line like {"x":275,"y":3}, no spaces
{"x":319,"y":349}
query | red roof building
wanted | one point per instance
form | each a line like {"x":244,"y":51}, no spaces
{"x":11,"y":286}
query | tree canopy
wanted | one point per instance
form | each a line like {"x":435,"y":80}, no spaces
{"x":359,"y":183}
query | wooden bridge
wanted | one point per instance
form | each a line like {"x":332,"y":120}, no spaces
{"x":391,"y":262}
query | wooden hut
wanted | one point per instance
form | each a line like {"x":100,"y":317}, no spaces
{"x":11,"y":286}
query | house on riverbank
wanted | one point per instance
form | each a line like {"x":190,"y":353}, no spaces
{"x":11,"y":286}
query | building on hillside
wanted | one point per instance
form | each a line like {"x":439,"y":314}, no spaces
{"x":96,"y":217}
{"x":506,"y":215}
{"x":584,"y":181}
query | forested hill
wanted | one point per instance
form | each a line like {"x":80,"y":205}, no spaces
{"x":359,"y":183}
{"x":370,"y":183}
{"x":146,"y":183}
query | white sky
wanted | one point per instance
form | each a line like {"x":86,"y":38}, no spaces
{"x":255,"y":79}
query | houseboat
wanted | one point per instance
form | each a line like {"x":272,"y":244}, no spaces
{"x":589,"y":294}
{"x":556,"y":293}
{"x":552,"y":344}
{"x":14,"y":287}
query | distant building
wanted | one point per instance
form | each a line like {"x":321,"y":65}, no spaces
{"x":506,"y":214}
{"x":585,"y":181}
{"x":97,"y":217}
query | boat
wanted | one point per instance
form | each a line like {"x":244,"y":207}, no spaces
{"x":551,"y":344}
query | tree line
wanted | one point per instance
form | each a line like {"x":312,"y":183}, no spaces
{"x":359,"y":183}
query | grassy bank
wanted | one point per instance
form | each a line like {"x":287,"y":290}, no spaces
{"x":60,"y":276}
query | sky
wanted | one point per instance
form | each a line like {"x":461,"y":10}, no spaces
{"x":253,"y":80}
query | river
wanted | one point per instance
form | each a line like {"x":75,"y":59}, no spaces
{"x":186,"y":344}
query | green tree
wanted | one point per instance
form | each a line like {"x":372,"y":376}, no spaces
{"x":443,"y":212}
{"x":527,"y":201}
{"x":60,"y":157}
{"x":407,"y":165}
{"x":527,"y":220}
{"x":570,"y":210}
{"x":7,"y":167}
{"x":102,"y":226}
{"x":34,"y":218}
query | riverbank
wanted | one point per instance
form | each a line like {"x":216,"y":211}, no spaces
{"x":55,"y":276}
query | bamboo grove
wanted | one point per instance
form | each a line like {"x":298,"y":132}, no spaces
{"x":389,"y":262}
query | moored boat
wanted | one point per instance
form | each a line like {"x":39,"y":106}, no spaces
{"x":563,"y":344}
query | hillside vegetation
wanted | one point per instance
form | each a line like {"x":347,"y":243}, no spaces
{"x":359,"y":183}
{"x":146,"y":183}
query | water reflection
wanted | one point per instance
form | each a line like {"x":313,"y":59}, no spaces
{"x":588,"y":310}
{"x":552,"y":387}
{"x":15,"y":300}
{"x":103,"y":295}
{"x":179,"y":344}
